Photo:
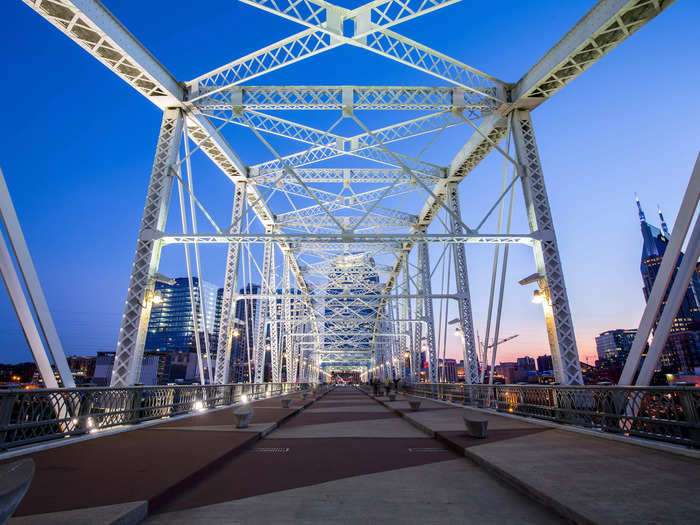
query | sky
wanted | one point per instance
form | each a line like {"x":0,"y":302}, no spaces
{"x":77,"y":148}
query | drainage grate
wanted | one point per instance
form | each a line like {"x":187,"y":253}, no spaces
{"x":272,"y":450}
{"x":427,"y":450}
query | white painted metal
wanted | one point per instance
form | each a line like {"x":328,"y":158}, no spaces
{"x":466,"y":322}
{"x":223,"y":352}
{"x":323,"y":222}
{"x":263,"y":313}
{"x":562,"y":339}
{"x":657,"y":297}
{"x":35,"y":293}
{"x":427,"y":292}
{"x":675,"y":297}
{"x":132,"y":335}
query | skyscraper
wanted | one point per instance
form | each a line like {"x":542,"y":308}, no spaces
{"x":682,"y":351}
{"x":544,"y":364}
{"x":242,"y":340}
{"x":613,"y":347}
{"x":171,"y":325}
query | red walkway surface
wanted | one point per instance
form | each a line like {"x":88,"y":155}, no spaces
{"x":148,"y":464}
{"x":344,"y":458}
{"x":279,"y":463}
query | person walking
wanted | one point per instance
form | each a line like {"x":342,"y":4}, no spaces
{"x":387,"y":386}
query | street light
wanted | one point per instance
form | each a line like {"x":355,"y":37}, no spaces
{"x":151,"y":298}
{"x":538,"y":297}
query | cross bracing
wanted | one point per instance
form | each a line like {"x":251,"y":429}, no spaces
{"x":378,"y":197}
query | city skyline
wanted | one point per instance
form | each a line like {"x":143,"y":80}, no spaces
{"x":606,"y":127}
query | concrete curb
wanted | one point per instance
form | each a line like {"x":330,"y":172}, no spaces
{"x":669,"y":448}
{"x":120,"y":514}
{"x":521,"y":486}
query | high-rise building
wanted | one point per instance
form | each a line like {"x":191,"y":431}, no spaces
{"x":449,"y":367}
{"x":82,"y":368}
{"x":682,"y":351}
{"x":243,"y":330}
{"x":613,"y":347}
{"x":171,"y":325}
{"x":155,"y":368}
{"x":526,"y":363}
{"x":544,"y":364}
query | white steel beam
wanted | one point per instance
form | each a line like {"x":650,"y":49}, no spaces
{"x":605,"y":26}
{"x":417,"y":98}
{"x":562,"y":340}
{"x":228,"y":308}
{"x":365,"y":238}
{"x":427,"y":290}
{"x":664,"y":276}
{"x":263,"y":314}
{"x":89,"y":24}
{"x":374,"y":36}
{"x":132,"y":335}
{"x":34,"y":291}
{"x":471,"y":358}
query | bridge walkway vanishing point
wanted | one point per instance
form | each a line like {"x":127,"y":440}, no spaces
{"x":348,"y":458}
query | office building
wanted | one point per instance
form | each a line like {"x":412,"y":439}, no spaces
{"x":682,"y":351}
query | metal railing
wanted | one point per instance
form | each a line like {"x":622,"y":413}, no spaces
{"x":669,"y":414}
{"x":32,"y":416}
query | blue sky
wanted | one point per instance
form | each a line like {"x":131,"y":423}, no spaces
{"x":78,"y":145}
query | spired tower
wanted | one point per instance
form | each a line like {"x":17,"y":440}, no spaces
{"x":682,"y":351}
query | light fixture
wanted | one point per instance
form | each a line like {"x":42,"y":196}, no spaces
{"x":152,"y":298}
{"x":244,"y":398}
{"x":538,"y":297}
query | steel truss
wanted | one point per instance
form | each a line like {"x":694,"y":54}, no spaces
{"x":354,"y":293}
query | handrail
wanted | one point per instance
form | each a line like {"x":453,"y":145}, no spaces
{"x":670,"y":414}
{"x":37,"y":415}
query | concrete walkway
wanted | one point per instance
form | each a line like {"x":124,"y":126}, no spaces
{"x":585,"y":478}
{"x":123,"y":476}
{"x":347,"y":459}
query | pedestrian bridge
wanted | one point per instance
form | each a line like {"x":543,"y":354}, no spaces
{"x":340,"y":455}
{"x":329,"y":253}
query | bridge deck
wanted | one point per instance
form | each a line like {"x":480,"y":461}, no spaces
{"x":347,"y":458}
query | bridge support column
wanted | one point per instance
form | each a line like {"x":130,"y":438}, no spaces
{"x":287,"y":340}
{"x":132,"y":335}
{"x":274,"y":317}
{"x":263,"y":313}
{"x":560,"y":328}
{"x":471,"y":360}
{"x":222,"y":373}
{"x":406,"y":314}
{"x":427,"y":292}
{"x":416,"y":361}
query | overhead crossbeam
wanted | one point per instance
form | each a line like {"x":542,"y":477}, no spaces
{"x":365,"y":238}
{"x":325,"y":32}
{"x":378,"y":98}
